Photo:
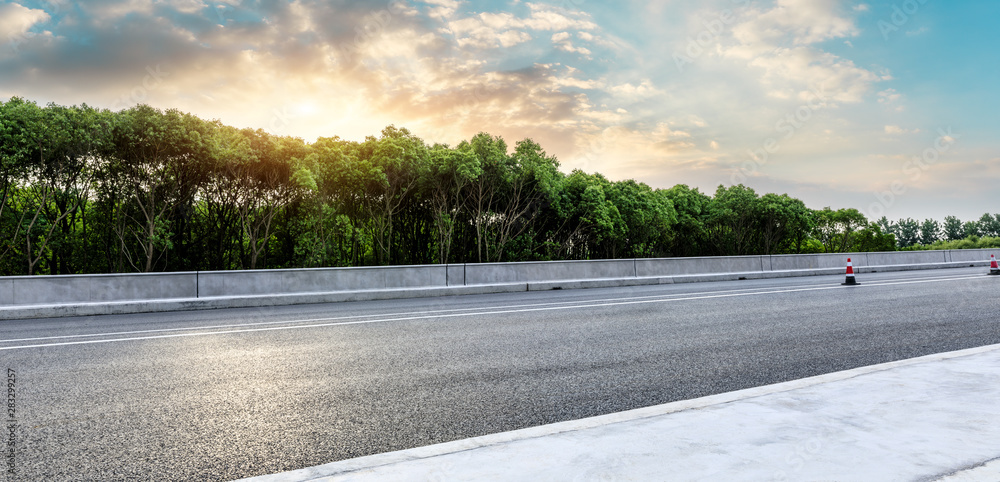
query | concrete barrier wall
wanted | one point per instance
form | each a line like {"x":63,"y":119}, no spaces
{"x":38,"y":290}
{"x":6,"y":291}
{"x":958,"y":255}
{"x":907,"y":257}
{"x":682,"y":266}
{"x":489,"y":273}
{"x":32,"y":290}
{"x":815,"y":261}
{"x":261,"y":282}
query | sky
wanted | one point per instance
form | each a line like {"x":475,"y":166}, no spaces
{"x":887,"y":107}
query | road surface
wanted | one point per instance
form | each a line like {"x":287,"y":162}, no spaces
{"x":219,"y":395}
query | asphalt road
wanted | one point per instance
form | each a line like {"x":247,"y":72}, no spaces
{"x":218,"y":395}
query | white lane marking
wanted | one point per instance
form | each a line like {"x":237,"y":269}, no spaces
{"x":314,"y":320}
{"x":482,"y":313}
{"x":405,"y":313}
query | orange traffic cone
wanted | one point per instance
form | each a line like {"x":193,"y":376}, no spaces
{"x":850,"y":281}
{"x":994,"y":269}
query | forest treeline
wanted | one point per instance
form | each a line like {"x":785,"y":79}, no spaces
{"x":86,"y":190}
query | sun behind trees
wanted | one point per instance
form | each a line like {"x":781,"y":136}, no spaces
{"x":93,"y":191}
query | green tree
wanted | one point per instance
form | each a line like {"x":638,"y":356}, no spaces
{"x":872,"y":239}
{"x":733,"y":221}
{"x":155,"y":157}
{"x":444,"y":179}
{"x":836,"y":230}
{"x":589,"y":218}
{"x":530,"y":182}
{"x":689,"y":236}
{"x":329,"y":233}
{"x":908,"y":232}
{"x":989,"y":225}
{"x":390,"y":176}
{"x":785,"y":224}
{"x":648,"y":218}
{"x":930,"y":231}
{"x":53,"y":147}
{"x":970,"y":229}
{"x":269,"y":180}
{"x":220,"y":210}
{"x":953,"y":228}
{"x":485,"y":191}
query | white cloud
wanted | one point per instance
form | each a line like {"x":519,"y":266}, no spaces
{"x":187,"y":6}
{"x":447,"y":74}
{"x":632,"y":93}
{"x":781,"y":41}
{"x":889,"y":96}
{"x":803,"y":21}
{"x":562,"y":42}
{"x":546,"y":17}
{"x":892,"y":99}
{"x":542,"y":18}
{"x":896,"y":130}
{"x":596,"y":40}
{"x":511,"y":38}
{"x":797,"y":72}
{"x":443,"y":9}
{"x":16,"y":20}
{"x":503,"y":29}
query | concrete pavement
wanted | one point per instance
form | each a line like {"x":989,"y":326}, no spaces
{"x":935,"y":417}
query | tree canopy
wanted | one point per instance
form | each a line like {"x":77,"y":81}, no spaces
{"x":84,"y":190}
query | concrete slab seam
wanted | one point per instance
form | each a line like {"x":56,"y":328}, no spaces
{"x":988,"y":470}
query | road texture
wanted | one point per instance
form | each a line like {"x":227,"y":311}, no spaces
{"x":225,"y":394}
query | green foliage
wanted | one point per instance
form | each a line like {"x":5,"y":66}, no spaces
{"x":930,"y":231}
{"x":989,"y":225}
{"x":907,"y":232}
{"x":972,"y":242}
{"x":142,"y":189}
{"x":690,"y":234}
{"x":838,"y":230}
